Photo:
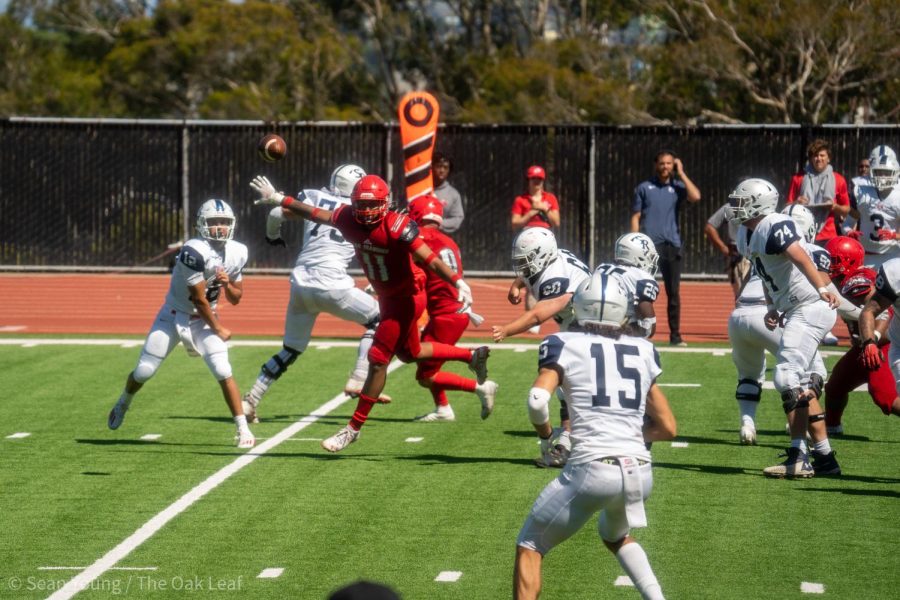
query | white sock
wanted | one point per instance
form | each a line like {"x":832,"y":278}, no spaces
{"x":241,"y":422}
{"x":634,"y":560}
{"x":362,"y":354}
{"x":823,"y":447}
{"x":800,"y":443}
{"x":748,"y":409}
{"x":260,"y":387}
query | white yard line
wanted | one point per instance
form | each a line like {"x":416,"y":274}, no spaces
{"x":147,"y":530}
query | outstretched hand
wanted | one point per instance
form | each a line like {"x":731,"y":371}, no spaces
{"x":266,"y":191}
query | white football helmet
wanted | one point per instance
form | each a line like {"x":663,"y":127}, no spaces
{"x":884,"y":170}
{"x":533,"y":249}
{"x":804,"y":219}
{"x":215,"y":209}
{"x":601,"y":300}
{"x":637,"y":250}
{"x":881,"y":150}
{"x":751,"y":198}
{"x":344,"y":178}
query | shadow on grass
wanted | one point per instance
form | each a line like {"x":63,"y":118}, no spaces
{"x":694,"y":439}
{"x":107,"y":442}
{"x":435,"y":459}
{"x":712,"y":469}
{"x":521,"y":434}
{"x":330,"y":419}
{"x":856,"y":492}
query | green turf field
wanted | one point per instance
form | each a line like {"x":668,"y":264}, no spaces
{"x":403,"y":512}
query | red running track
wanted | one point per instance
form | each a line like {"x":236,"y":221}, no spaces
{"x":126,"y":304}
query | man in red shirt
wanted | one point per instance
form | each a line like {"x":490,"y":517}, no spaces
{"x":386,"y":244}
{"x":821,"y":190}
{"x":446,"y":319}
{"x":537,"y":208}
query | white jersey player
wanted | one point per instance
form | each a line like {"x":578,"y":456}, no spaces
{"x":877,"y":208}
{"x":319,"y":283}
{"x":610,"y":381}
{"x":550,"y":275}
{"x":205,"y":268}
{"x":792,"y":286}
{"x":635,"y":266}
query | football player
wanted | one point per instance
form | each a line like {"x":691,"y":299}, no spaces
{"x":846,"y":375}
{"x":610,"y":381}
{"x":750,"y":338}
{"x":635,"y":266}
{"x":319,"y":283}
{"x":205,"y":267}
{"x":877,"y":208}
{"x":550,"y":275}
{"x":795,"y":287}
{"x":887,"y":288}
{"x":386,"y":244}
{"x":446,"y":319}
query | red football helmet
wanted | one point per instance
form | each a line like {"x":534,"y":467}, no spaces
{"x":858,"y":284}
{"x":426,"y":208}
{"x":846,"y":257}
{"x":370,"y":199}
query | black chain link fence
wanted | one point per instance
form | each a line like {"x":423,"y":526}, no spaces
{"x":84,"y":194}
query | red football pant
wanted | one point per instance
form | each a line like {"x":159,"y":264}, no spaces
{"x":444,"y":329}
{"x":849,"y":374}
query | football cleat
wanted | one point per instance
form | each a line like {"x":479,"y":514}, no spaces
{"x":486,"y":393}
{"x":340,"y":440}
{"x":825,"y":464}
{"x":250,"y":403}
{"x":246,"y":439}
{"x":795,"y":466}
{"x":440,"y":413}
{"x":748,"y":434}
{"x":354,"y":386}
{"x":117,"y":414}
{"x":478,"y":363}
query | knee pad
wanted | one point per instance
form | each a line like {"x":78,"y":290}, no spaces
{"x":146,"y":367}
{"x":279,"y":363}
{"x":219,"y":366}
{"x":817,"y":418}
{"x":816,"y":384}
{"x":791,"y":400}
{"x":748,"y":389}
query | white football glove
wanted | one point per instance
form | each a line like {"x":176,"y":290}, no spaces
{"x":267,"y":192}
{"x":465,"y":294}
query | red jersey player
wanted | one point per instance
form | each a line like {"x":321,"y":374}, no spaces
{"x":386,"y":244}
{"x":446,"y":320}
{"x":858,"y":288}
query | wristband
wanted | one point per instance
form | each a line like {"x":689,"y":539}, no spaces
{"x":430,"y":258}
{"x":286,"y":201}
{"x":822,"y":290}
{"x":770,"y":307}
{"x":456,"y":278}
{"x":867,"y":342}
{"x":315,"y":212}
{"x":877,"y":336}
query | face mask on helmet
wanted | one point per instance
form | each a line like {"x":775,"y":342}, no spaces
{"x":858,"y":285}
{"x":370,"y":199}
{"x":533,"y":250}
{"x":344,"y":178}
{"x":426,"y":208}
{"x":215,"y":221}
{"x":804,"y":219}
{"x":637,"y":250}
{"x":884,"y":172}
{"x":750,"y":199}
{"x":846,"y":257}
{"x":601,"y":302}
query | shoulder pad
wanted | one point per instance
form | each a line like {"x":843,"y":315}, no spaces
{"x":192,"y":258}
{"x":781,"y":235}
{"x":409,"y":231}
{"x":549,"y":351}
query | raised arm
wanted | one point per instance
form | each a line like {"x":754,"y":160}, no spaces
{"x":269,"y":195}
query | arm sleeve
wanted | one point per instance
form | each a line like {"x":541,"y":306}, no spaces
{"x":717,"y":218}
{"x":273,"y":223}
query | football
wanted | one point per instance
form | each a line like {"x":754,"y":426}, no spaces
{"x":272,"y":147}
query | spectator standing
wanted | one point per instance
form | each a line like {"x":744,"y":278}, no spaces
{"x":861,"y":179}
{"x":654,"y":211}
{"x":736,"y":266}
{"x":822,"y":190}
{"x":537,"y":207}
{"x":441,"y":167}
